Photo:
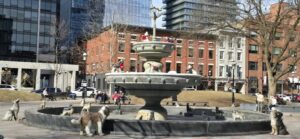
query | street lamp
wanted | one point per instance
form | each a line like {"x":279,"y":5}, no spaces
{"x":83,"y":82}
{"x":233,"y":86}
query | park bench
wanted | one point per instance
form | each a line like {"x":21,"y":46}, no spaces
{"x":184,"y":103}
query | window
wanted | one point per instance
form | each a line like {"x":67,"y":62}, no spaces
{"x":131,"y":48}
{"x":279,"y":67}
{"x":132,"y":65}
{"x":201,"y":43}
{"x":211,"y":44}
{"x":252,"y":65}
{"x":178,"y":67}
{"x":230,"y":55}
{"x":168,"y":66}
{"x":221,"y":41}
{"x":178,"y":51}
{"x":277,"y":35}
{"x":221,"y":55}
{"x":239,"y":56}
{"x":191,"y":43}
{"x":201,"y":53}
{"x":210,"y":70}
{"x":239,"y":41}
{"x":221,"y":71}
{"x":191,"y":52}
{"x":121,"y":36}
{"x":121,"y":47}
{"x":211,"y":54}
{"x":179,"y":41}
{"x":133,"y":37}
{"x":253,"y":49}
{"x":264,"y":67}
{"x":276,"y":50}
{"x":230,"y":43}
{"x":200,"y":69}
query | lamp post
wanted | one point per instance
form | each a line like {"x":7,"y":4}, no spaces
{"x":233,"y":86}
{"x":83,"y":82}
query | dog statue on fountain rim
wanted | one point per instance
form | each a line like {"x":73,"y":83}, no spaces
{"x":238,"y":115}
{"x":43,"y":104}
{"x":68,"y":111}
{"x":12,"y":113}
{"x":88,"y":119}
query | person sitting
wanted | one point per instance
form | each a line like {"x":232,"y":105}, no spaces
{"x":116,"y":97}
{"x":104,"y":97}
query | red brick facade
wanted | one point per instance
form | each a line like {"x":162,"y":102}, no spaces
{"x":105,"y":50}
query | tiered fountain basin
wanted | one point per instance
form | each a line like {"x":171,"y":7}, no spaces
{"x":152,"y":87}
{"x":175,"y":125}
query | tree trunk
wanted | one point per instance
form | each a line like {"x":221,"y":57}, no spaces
{"x":272,"y":86}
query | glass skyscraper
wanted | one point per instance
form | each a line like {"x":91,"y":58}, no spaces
{"x":191,"y":14}
{"x":131,"y":12}
{"x":19,"y":26}
{"x":78,"y":14}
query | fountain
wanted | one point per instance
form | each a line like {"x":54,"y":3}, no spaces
{"x":152,"y":119}
{"x":153,"y":85}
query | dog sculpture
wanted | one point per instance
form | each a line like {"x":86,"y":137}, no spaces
{"x":278,"y":127}
{"x":68,"y":111}
{"x":87,"y":107}
{"x":12,"y":113}
{"x":88,"y":119}
{"x":43,"y":105}
{"x":238,"y":115}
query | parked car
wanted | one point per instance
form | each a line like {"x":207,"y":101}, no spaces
{"x":53,"y":93}
{"x":90,"y":92}
{"x":8,"y":87}
{"x":284,"y":97}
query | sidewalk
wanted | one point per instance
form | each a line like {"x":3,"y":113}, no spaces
{"x":16,"y":130}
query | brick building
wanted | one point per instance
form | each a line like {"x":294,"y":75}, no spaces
{"x":113,"y":45}
{"x":256,"y":74}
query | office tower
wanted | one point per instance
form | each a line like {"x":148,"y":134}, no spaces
{"x":192,"y":14}
{"x":19,"y":30}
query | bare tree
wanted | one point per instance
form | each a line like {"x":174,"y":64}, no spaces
{"x":276,"y":33}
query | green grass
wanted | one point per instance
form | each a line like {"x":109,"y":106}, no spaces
{"x":8,"y":96}
{"x":220,"y":99}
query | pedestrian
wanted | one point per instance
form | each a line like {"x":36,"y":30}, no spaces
{"x":45,"y":93}
{"x":260,"y":101}
{"x":273,"y":102}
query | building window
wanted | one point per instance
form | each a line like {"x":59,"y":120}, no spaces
{"x":133,"y":37}
{"x":200,"y":69}
{"x":252,"y":65}
{"x":230,"y":55}
{"x":178,"y":67}
{"x":179,"y":41}
{"x":277,"y":35}
{"x":168,"y":66}
{"x":201,"y":43}
{"x":253,"y":84}
{"x":178,"y":51}
{"x":210,"y":70}
{"x":221,"y":71}
{"x":239,"y":56}
{"x":230,"y":43}
{"x":239,"y":41}
{"x":264,"y":67}
{"x":221,"y":54}
{"x":279,"y":67}
{"x":211,"y":44}
{"x":132,"y":65}
{"x":221,"y":41}
{"x":201,"y":53}
{"x":131,"y":48}
{"x":211,"y":54}
{"x":191,"y":52}
{"x":253,"y":49}
{"x":121,"y":36}
{"x":276,"y":50}
{"x":191,"y":43}
{"x":121,"y":47}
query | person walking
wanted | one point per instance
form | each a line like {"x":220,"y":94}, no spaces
{"x":45,"y":94}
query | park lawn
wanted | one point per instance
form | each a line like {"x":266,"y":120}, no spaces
{"x":219,"y":99}
{"x":8,"y":96}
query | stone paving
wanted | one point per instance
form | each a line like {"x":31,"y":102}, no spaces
{"x":17,"y":130}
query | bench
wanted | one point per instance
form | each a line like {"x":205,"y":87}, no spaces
{"x":184,"y":103}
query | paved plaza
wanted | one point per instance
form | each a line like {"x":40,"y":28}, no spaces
{"x":17,"y":130}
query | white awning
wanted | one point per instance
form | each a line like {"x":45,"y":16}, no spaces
{"x":294,"y":80}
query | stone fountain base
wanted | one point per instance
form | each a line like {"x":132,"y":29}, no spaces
{"x":175,"y":125}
